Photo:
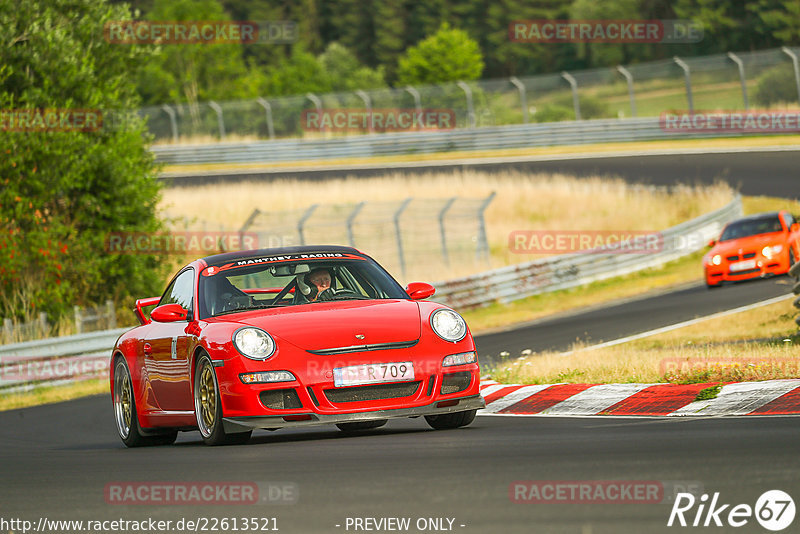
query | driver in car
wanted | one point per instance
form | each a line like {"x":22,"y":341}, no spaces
{"x":319,"y":280}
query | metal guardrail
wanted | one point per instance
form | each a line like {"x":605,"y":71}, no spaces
{"x":65,"y":360}
{"x":488,"y":138}
{"x":57,"y":360}
{"x":571,"y":270}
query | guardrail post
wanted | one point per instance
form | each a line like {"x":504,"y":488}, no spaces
{"x":688,"y":77}
{"x":43,"y":323}
{"x":301,"y":223}
{"x":470,"y":108}
{"x":576,"y":104}
{"x":399,"y":235}
{"x":76,"y":310}
{"x":796,"y":65}
{"x":173,"y":122}
{"x":268,"y":111}
{"x":220,"y":120}
{"x":417,"y":101}
{"x":733,"y":57}
{"x":367,"y":104}
{"x":317,"y":104}
{"x":442,"y":232}
{"x":629,"y":78}
{"x":483,"y":242}
{"x":111,"y":314}
{"x":523,"y":99}
{"x":350,"y":219}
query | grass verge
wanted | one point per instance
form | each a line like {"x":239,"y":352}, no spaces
{"x":52,"y":394}
{"x":758,"y":344}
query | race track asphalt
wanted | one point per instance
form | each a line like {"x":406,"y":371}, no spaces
{"x":57,"y":461}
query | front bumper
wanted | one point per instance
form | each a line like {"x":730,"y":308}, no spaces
{"x":243,"y":424}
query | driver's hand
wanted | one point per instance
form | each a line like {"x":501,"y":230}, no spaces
{"x":326,"y":295}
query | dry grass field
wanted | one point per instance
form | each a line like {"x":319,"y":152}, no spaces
{"x":522,"y":202}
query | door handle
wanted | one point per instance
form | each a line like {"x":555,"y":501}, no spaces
{"x":148,"y":349}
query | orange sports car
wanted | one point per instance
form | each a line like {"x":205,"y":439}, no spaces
{"x":760,"y":245}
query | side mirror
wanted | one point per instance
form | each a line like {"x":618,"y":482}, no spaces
{"x":794,"y":227}
{"x":169,"y":313}
{"x":712,"y":242}
{"x":420,"y":290}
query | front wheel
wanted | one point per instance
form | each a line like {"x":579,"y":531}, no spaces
{"x":125,"y":416}
{"x":208,"y":407}
{"x":451,"y":420}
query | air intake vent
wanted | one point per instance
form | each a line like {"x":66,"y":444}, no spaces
{"x":371,"y":393}
{"x":455,"y":382}
{"x":280,"y":399}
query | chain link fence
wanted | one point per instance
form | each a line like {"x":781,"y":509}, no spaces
{"x":718,"y":82}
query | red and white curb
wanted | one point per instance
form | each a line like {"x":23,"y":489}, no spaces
{"x":771,"y":397}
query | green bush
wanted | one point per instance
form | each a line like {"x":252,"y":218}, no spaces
{"x":777,"y":85}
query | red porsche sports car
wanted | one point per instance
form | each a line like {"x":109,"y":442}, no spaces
{"x":290,"y":337}
{"x":756,"y":246}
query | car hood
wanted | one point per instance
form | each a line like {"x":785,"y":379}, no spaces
{"x":333,"y":325}
{"x":748,"y":244}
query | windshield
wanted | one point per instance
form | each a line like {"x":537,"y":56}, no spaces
{"x":233,"y":288}
{"x":764,"y":225}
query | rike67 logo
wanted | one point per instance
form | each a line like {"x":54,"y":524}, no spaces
{"x":774,"y":510}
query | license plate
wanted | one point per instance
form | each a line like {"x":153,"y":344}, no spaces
{"x":743,"y":266}
{"x":373,"y":373}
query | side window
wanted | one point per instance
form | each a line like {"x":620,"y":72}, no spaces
{"x":180,"y":291}
{"x":787,"y":220}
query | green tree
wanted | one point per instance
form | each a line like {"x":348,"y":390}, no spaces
{"x":63,"y":191}
{"x":446,"y":56}
{"x":345,"y":73}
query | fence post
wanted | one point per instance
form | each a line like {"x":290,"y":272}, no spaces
{"x":350,"y":219}
{"x":43,"y":323}
{"x":8,"y":329}
{"x":268,"y":110}
{"x":733,"y":57}
{"x":442,"y":232}
{"x":687,"y":75}
{"x":470,"y":108}
{"x":317,"y":104}
{"x":111,"y":314}
{"x":417,"y":101}
{"x":367,"y":104}
{"x":523,"y":100}
{"x":78,"y":319}
{"x":399,"y":235}
{"x":788,"y":52}
{"x":574,"y":85}
{"x":629,"y":78}
{"x":301,"y":223}
{"x":172,"y":122}
{"x":483,"y":242}
{"x":220,"y":120}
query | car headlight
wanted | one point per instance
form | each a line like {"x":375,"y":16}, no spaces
{"x":717,"y":259}
{"x":448,"y":325}
{"x":770,"y":251}
{"x":462,"y":358}
{"x":253,"y":343}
